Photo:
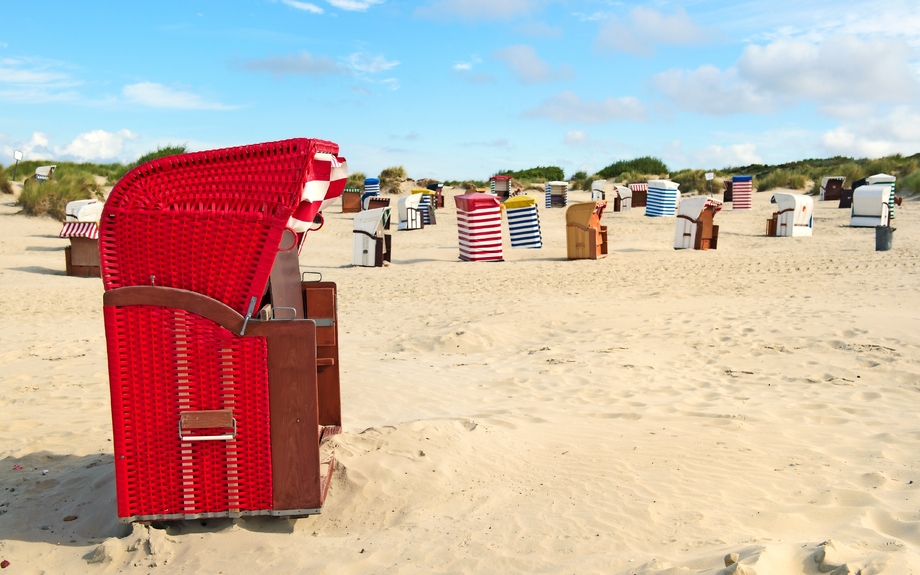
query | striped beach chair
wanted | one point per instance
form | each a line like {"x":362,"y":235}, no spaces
{"x":885,"y":179}
{"x":742,"y":193}
{"x":427,"y":205}
{"x":663,"y":197}
{"x":523,"y":222}
{"x":500,"y":186}
{"x":479,"y":227}
{"x":557,"y":194}
{"x":223,"y":364}
{"x":81,"y":227}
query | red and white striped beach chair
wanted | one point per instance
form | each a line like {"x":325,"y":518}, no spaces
{"x":218,"y":406}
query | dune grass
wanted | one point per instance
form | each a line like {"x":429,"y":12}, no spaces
{"x":51,"y":197}
{"x":391,"y":178}
{"x":5,"y":186}
{"x":356,"y":180}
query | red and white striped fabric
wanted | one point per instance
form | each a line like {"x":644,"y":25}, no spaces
{"x":326,"y":178}
{"x":80,"y":230}
{"x":479,"y":226}
{"x":638,"y":187}
{"x":742,"y":195}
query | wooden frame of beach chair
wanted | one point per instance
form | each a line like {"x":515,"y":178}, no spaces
{"x":585,"y":237}
{"x":694,"y":227}
{"x":371,"y":245}
{"x":639,"y":195}
{"x":81,"y":227}
{"x":223,"y":363}
{"x":351,"y":200}
{"x":727,"y":195}
{"x":438,"y":190}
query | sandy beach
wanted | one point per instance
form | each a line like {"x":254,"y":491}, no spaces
{"x":647,"y":413}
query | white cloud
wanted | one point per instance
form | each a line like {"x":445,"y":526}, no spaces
{"x":575,"y":137}
{"x":647,"y":28}
{"x":478,"y":9}
{"x":569,"y":107}
{"x":363,"y":62}
{"x":463,"y":66}
{"x":303,"y":63}
{"x":839,"y":75}
{"x":391,"y":83}
{"x":35,"y":80}
{"x":35,"y":148}
{"x":305,"y":6}
{"x":712,"y":156}
{"x":159,"y":96}
{"x":528,"y":68}
{"x":897,"y":131}
{"x":802,"y":69}
{"x":97,"y":145}
{"x":712,"y":91}
{"x":354,"y":5}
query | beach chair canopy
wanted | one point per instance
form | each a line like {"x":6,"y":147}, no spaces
{"x":870,"y":205}
{"x":692,"y":207}
{"x":44,"y":172}
{"x":794,"y":214}
{"x":373,"y":221}
{"x":477,"y":201}
{"x":425,"y":191}
{"x":216,"y":217}
{"x":881,"y":179}
{"x":83,"y":211}
{"x":586,"y":214}
{"x":623,"y":192}
{"x":519,"y":201}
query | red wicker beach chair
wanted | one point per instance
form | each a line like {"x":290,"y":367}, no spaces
{"x":223,"y":365}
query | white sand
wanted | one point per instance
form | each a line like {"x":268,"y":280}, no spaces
{"x":646,"y":413}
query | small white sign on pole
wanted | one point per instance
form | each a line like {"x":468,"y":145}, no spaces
{"x":17,"y":155}
{"x":710,"y":176}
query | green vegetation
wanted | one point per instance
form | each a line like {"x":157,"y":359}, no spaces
{"x":538,"y":174}
{"x":5,"y":187}
{"x":695,"y":181}
{"x":165,"y":151}
{"x":780,"y":179}
{"x":356,"y":180}
{"x":644,"y":165}
{"x":51,"y":197}
{"x":390,"y":178}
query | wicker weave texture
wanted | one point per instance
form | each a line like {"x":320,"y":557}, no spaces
{"x":199,"y":366}
{"x":209,"y":222}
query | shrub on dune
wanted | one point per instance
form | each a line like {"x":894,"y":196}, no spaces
{"x":51,"y":197}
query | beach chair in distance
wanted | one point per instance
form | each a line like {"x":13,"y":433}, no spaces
{"x":557,"y":194}
{"x":351,"y":200}
{"x":831,"y":187}
{"x":597,"y":190}
{"x":870,"y":206}
{"x":695,"y":228}
{"x":523,"y":222}
{"x":438,"y":190}
{"x":500,"y":186}
{"x":427,"y":206}
{"x":885,"y":179}
{"x":223,"y":363}
{"x":44,"y":173}
{"x":585,"y":237}
{"x":372,"y":247}
{"x":639,"y":195}
{"x":371,"y":190}
{"x":727,"y":195}
{"x":742,"y":192}
{"x":479,"y":227}
{"x":623,"y":200}
{"x":81,"y":226}
{"x":410,"y":216}
{"x":794,"y":216}
{"x":663,"y":197}
{"x":378,"y":202}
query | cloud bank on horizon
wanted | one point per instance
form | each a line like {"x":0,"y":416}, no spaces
{"x":478,"y":84}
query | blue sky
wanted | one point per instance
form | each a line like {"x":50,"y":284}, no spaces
{"x":455,"y":89}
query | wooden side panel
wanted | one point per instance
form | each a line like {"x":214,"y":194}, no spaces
{"x":320,"y":304}
{"x":292,"y":389}
{"x":351,"y":203}
{"x":85,"y":252}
